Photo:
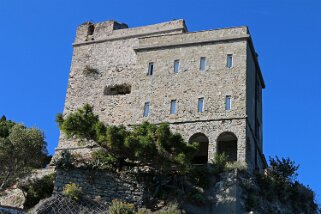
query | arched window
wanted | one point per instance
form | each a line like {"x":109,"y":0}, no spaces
{"x":227,"y":144}
{"x":201,"y":155}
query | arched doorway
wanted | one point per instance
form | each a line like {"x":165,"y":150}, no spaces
{"x":227,"y":144}
{"x":201,"y":155}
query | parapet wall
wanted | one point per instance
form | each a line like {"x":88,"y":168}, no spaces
{"x":111,"y":30}
{"x":193,"y":38}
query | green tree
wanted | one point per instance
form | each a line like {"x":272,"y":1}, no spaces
{"x":82,"y":124}
{"x":21,"y":150}
{"x":283,"y":169}
{"x":146,"y":144}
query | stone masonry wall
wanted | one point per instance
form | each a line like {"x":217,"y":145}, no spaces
{"x":121,"y":56}
{"x":106,"y":185}
{"x":189,"y":84}
{"x":212,"y":130}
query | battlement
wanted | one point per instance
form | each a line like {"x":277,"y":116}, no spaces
{"x":112,"y":30}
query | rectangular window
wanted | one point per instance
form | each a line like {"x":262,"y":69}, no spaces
{"x":150,"y":69}
{"x":173,"y":107}
{"x":146,"y":109}
{"x":202,"y":63}
{"x":228,"y":103}
{"x":176,"y":66}
{"x":200,"y":105}
{"x":229,"y":61}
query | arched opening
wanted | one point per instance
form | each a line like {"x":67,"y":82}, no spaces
{"x":201,"y":155}
{"x":227,"y":144}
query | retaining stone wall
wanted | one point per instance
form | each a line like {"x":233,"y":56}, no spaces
{"x":102,"y":184}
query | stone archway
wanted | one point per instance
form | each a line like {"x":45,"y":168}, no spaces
{"x":227,"y":143}
{"x":201,"y":156}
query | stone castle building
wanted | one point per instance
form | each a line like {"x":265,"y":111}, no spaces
{"x":207,"y":85}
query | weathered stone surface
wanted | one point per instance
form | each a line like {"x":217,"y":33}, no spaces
{"x":12,"y":198}
{"x":119,"y":55}
{"x":106,"y":185}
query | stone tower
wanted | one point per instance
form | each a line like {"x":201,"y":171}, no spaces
{"x":207,"y":85}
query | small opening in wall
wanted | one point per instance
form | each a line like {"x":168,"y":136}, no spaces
{"x":91,"y":29}
{"x":120,"y":89}
{"x":88,"y":70}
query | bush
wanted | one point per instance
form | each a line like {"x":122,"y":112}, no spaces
{"x":72,"y":191}
{"x":200,"y":176}
{"x":267,"y":187}
{"x":198,"y":198}
{"x":38,"y":189}
{"x":65,"y":160}
{"x":81,"y":124}
{"x":284,"y":169}
{"x":251,"y":196}
{"x":103,"y":160}
{"x":169,"y":209}
{"x":236,"y":165}
{"x":279,"y":185}
{"x":219,"y":163}
{"x":119,"y":207}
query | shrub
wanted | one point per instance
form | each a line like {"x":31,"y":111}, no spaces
{"x":267,"y":187}
{"x":198,"y":198}
{"x":251,"y":196}
{"x":103,"y":160}
{"x":251,"y":202}
{"x":200,"y":176}
{"x":64,"y":160}
{"x":219,"y":163}
{"x":284,"y":169}
{"x":38,"y":189}
{"x":81,"y":124}
{"x":72,"y":191}
{"x":119,"y":207}
{"x":170,"y":209}
{"x":236,"y":165}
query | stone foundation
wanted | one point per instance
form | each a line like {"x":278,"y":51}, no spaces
{"x":106,"y":185}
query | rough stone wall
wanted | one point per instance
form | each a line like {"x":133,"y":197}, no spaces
{"x":189,"y":84}
{"x":121,"y":56}
{"x":222,"y":35}
{"x":12,"y":197}
{"x":106,"y":185}
{"x":212,"y":130}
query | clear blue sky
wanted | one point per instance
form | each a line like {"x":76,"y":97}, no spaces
{"x":35,"y":56}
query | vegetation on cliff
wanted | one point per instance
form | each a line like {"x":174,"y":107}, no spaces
{"x":168,"y":160}
{"x":153,"y":153}
{"x":279,"y":189}
{"x":21,"y":150}
{"x":37,"y":189}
